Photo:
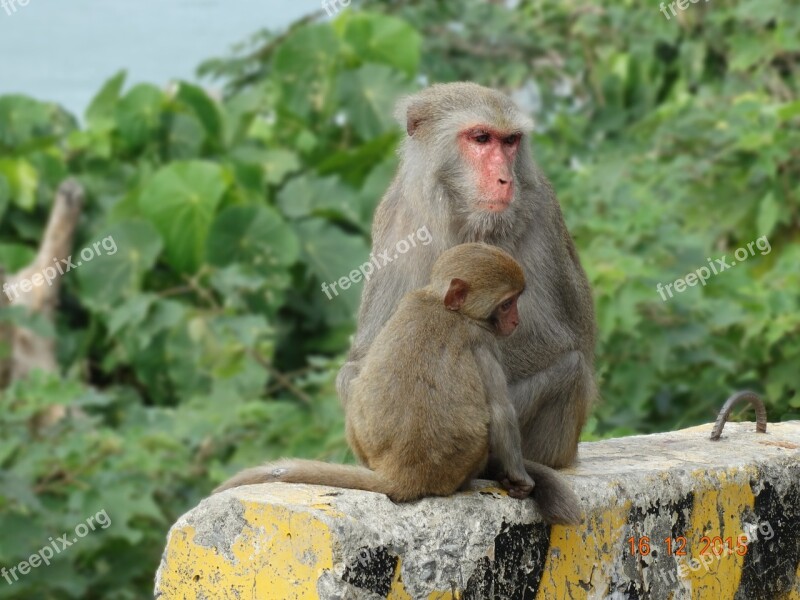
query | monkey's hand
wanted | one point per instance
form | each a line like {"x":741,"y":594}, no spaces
{"x":518,"y":486}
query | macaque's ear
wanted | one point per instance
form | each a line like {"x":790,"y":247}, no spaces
{"x":412,"y":122}
{"x":456,"y":295}
{"x":415,"y":115}
{"x":412,"y":111}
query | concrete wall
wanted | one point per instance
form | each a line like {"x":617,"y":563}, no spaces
{"x":291,"y":541}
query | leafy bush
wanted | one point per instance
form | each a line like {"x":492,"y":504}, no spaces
{"x":205,"y":344}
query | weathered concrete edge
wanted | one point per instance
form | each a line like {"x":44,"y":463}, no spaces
{"x":307,"y":541}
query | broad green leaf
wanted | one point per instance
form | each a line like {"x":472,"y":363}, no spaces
{"x":180,"y":201}
{"x":186,"y":137}
{"x":204,"y":108}
{"x":141,"y":317}
{"x":276,"y":164}
{"x":747,"y":51}
{"x":354,"y":164}
{"x":22,"y":180}
{"x":108,"y":278}
{"x":382,"y":39}
{"x":221,"y":348}
{"x":252,"y":234}
{"x":105,"y":101}
{"x":129,"y":313}
{"x":306,"y":196}
{"x":332,"y":255}
{"x":367,"y":96}
{"x":305,"y":65}
{"x":242,"y":108}
{"x":138,"y":115}
{"x":26,"y":121}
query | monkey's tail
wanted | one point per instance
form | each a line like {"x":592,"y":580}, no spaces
{"x":557,"y":502}
{"x":296,"y":470}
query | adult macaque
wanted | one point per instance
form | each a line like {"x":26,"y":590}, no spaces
{"x":431,"y":401}
{"x":466,"y":172}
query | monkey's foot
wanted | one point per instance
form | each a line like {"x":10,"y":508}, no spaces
{"x":518,"y":487}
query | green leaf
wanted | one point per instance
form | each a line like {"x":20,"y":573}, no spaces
{"x":181,"y":200}
{"x":353,"y":165}
{"x":108,"y":278}
{"x":186,"y":137}
{"x":332,"y":255}
{"x":21,"y":316}
{"x":129,"y":313}
{"x":276,"y":164}
{"x":382,"y":39}
{"x":14,"y":257}
{"x":789,"y":111}
{"x":138,"y":115}
{"x":747,"y":50}
{"x":26,"y":121}
{"x":5,"y":195}
{"x":253,"y":234}
{"x":768,"y":214}
{"x":103,"y":104}
{"x":204,"y":108}
{"x":368,"y":95}
{"x":326,"y":196}
{"x":22,"y":180}
{"x":305,"y":65}
{"x":375,"y":185}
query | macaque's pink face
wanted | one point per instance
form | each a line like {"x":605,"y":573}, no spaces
{"x":506,"y":316}
{"x":491,"y":154}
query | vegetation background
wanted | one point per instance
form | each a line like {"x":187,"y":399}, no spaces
{"x":205,"y":343}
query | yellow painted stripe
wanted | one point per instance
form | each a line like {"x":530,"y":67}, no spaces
{"x":398,"y":590}
{"x":576,"y":552}
{"x":795,"y":595}
{"x":717,"y":513}
{"x":287,"y":551}
{"x":445,"y":595}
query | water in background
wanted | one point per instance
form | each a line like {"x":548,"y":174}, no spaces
{"x":63,"y":50}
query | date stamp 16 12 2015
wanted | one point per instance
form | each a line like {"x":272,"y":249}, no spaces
{"x":711,"y":548}
{"x":717,"y":545}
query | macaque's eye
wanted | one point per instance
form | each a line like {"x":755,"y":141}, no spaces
{"x":511,"y":140}
{"x":506,"y":306}
{"x":482,"y":138}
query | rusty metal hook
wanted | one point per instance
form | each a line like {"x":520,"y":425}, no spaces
{"x":757,"y":403}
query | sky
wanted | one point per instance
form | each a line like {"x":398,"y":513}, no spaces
{"x":63,"y":50}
